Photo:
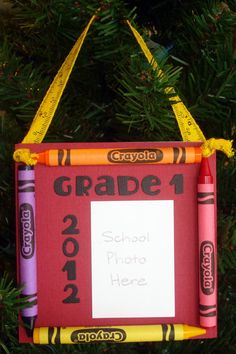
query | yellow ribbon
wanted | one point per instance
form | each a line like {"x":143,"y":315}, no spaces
{"x":189,"y":129}
{"x":25,"y":156}
{"x":45,"y":113}
{"x":211,"y":145}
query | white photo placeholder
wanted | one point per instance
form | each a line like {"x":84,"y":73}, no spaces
{"x":132,"y":245}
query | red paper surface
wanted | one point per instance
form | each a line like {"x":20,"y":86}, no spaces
{"x":51,"y":209}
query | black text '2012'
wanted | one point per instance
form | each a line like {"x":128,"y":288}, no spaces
{"x":70,"y":249}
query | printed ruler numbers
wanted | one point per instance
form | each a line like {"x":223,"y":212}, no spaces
{"x":70,"y":249}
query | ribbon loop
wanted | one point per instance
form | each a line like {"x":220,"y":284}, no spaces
{"x":189,"y":129}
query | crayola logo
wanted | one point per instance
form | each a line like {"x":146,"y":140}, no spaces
{"x":27,"y":230}
{"x":135,"y":155}
{"x":207,"y":266}
{"x":98,"y":334}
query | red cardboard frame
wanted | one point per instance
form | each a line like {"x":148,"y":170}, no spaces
{"x":51,"y":209}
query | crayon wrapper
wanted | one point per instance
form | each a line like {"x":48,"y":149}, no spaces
{"x":166,"y":155}
{"x":74,"y":335}
{"x":28,"y":271}
{"x":207,"y":254}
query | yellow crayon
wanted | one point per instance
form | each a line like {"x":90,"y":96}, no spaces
{"x":105,"y":156}
{"x":115,"y":334}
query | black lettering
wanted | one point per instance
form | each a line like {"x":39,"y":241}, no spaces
{"x":70,"y":268}
{"x":61,"y":188}
{"x":127,"y":185}
{"x":83,"y":184}
{"x":107,"y":187}
{"x":148,"y":182}
{"x":72,"y":298}
{"x":71,"y":229}
{"x":74,"y":251}
{"x":178,"y":182}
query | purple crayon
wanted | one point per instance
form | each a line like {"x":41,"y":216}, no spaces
{"x":28,"y":270}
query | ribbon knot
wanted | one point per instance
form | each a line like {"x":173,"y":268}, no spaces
{"x":211,"y":145}
{"x":25,"y":156}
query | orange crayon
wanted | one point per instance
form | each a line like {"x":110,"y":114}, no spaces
{"x":105,"y":156}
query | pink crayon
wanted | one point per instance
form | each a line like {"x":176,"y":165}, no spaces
{"x":207,"y":246}
{"x":28,"y":272}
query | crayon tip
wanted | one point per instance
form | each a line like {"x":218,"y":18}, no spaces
{"x":191,"y":331}
{"x":41,"y":158}
{"x":205,"y":176}
{"x":29,"y":325}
